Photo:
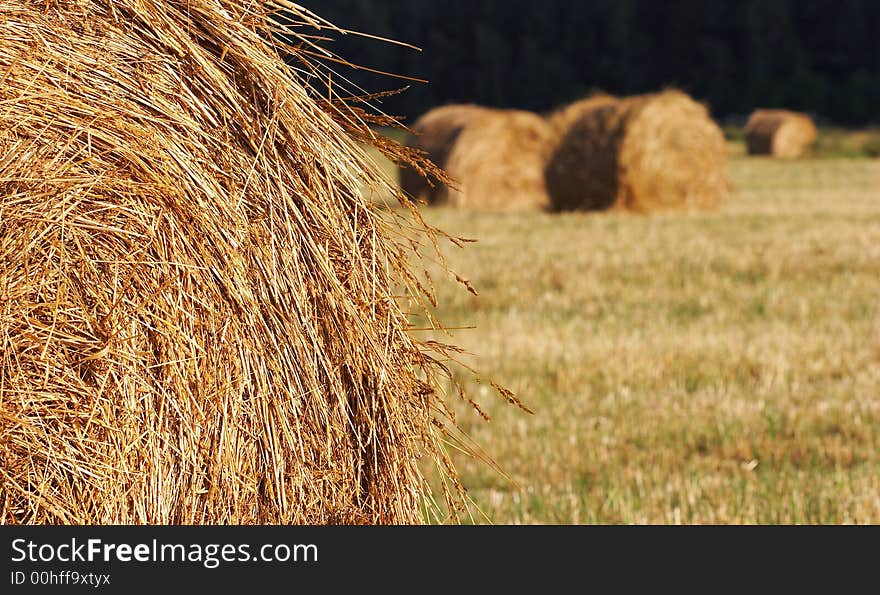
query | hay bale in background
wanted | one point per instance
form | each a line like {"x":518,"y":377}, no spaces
{"x":643,"y":153}
{"x":562,"y":119}
{"x":435,"y":133}
{"x":498,"y":162}
{"x":199,"y":314}
{"x":780,"y":133}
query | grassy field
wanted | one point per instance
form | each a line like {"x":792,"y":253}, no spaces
{"x":721,"y":367}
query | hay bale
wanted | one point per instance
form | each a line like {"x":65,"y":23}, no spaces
{"x":435,"y":132}
{"x":780,"y":133}
{"x":643,"y":153}
{"x":199,"y":313}
{"x":562,"y":119}
{"x":498,"y":162}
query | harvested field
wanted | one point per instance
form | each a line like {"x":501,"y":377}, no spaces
{"x":708,"y":367}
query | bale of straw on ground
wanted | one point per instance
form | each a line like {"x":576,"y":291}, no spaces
{"x":435,"y":132}
{"x":497,"y":162}
{"x":780,"y":133}
{"x":562,"y":119}
{"x":642,"y":153}
{"x":200,"y":315}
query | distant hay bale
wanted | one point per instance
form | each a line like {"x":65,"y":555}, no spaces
{"x":780,"y":133}
{"x":201,"y":317}
{"x":562,"y":119}
{"x":498,"y":162}
{"x":642,"y":153}
{"x":435,"y":132}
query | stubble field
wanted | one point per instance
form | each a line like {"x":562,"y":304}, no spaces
{"x":719,"y":367}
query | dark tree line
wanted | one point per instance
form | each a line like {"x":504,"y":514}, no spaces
{"x":820,"y":56}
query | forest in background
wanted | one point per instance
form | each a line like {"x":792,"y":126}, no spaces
{"x":819,"y":56}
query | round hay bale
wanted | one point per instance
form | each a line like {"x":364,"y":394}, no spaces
{"x":780,"y":133}
{"x":435,"y":133}
{"x":643,"y":153}
{"x":200,"y":314}
{"x":498,"y":160}
{"x":562,"y":119}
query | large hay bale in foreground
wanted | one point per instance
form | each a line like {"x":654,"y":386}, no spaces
{"x":498,"y":160}
{"x":199,"y":313}
{"x":780,"y":133}
{"x":643,"y":153}
{"x":435,"y":133}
